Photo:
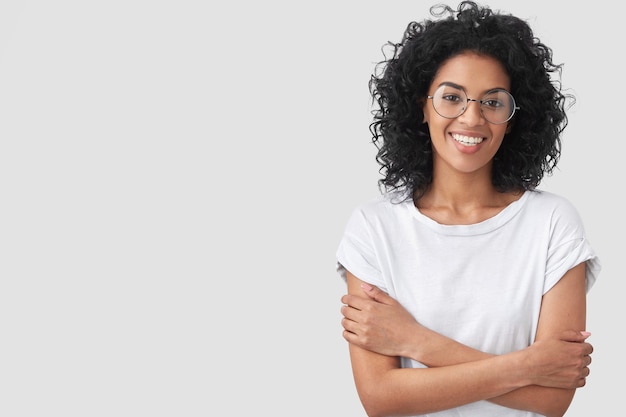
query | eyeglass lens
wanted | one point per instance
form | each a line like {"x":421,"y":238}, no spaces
{"x":497,"y":106}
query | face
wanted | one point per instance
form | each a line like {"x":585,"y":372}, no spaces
{"x":467,"y":143}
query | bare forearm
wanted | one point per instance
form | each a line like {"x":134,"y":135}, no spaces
{"x":417,"y":391}
{"x":435,"y":350}
{"x":540,"y":378}
{"x":550,"y":402}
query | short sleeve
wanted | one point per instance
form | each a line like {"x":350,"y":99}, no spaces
{"x":569,"y":255}
{"x":356,"y":252}
{"x":568,"y":248}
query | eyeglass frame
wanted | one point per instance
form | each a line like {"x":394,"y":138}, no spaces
{"x":479,"y":101}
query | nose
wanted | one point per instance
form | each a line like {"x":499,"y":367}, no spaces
{"x":472,"y":116}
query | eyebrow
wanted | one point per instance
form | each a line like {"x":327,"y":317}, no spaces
{"x":460,"y":87}
{"x":451,"y":84}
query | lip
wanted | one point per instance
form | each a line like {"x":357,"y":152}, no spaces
{"x":471,"y":139}
{"x":467,"y":142}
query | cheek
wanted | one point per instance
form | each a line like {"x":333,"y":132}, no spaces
{"x":432,"y":118}
{"x":501,"y":132}
{"x":434,"y":121}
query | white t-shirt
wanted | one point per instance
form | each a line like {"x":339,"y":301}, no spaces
{"x":479,"y":284}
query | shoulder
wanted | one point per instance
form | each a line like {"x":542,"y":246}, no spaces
{"x":387,"y":204}
{"x":547,"y":197}
{"x":549,"y":201}
{"x":557,"y":209}
{"x":385,"y":209}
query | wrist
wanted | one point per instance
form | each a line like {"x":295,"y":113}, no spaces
{"x":423,"y":343}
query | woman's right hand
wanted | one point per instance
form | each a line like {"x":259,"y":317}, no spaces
{"x":381,"y":324}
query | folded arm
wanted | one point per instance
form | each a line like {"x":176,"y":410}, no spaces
{"x":541,"y":378}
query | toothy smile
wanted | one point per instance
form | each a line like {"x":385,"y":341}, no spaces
{"x":467,"y":140}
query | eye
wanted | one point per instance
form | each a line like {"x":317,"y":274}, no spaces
{"x":493,"y":103}
{"x":497,"y":100}
{"x":451,"y":97}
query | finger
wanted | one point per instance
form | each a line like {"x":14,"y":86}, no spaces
{"x":350,"y":313}
{"x":574,"y":336}
{"x":349,"y":325}
{"x":350,"y":300}
{"x":357,"y":302}
{"x":350,"y":337}
{"x":377,"y":294}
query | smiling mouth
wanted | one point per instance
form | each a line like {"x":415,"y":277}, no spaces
{"x":467,"y":140}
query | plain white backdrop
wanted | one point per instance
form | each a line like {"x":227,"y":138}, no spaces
{"x":174,"y":180}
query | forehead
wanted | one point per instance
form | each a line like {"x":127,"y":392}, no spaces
{"x":474,"y":72}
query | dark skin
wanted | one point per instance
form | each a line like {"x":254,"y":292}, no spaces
{"x":541,"y":378}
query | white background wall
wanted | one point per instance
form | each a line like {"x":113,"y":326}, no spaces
{"x":175,"y":178}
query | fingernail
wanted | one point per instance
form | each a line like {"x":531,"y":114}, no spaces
{"x":586,"y":334}
{"x":366,"y":286}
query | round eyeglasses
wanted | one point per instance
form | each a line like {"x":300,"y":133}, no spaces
{"x":497,"y":106}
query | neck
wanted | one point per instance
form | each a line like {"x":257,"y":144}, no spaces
{"x":464,"y":199}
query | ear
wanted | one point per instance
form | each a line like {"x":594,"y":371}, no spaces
{"x":422,"y":104}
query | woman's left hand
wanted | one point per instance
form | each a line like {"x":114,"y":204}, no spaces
{"x":379,"y":323}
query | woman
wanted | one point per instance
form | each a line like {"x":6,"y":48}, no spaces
{"x":466,"y":284}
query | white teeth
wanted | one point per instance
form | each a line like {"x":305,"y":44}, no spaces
{"x":467,"y":140}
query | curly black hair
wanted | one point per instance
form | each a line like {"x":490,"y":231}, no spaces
{"x":400,"y":82}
